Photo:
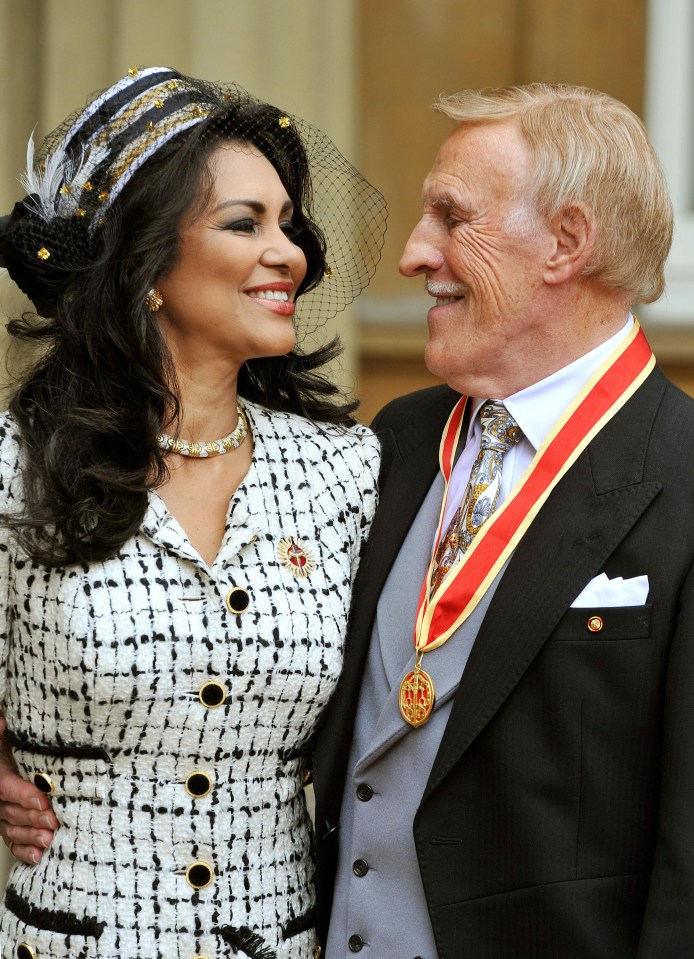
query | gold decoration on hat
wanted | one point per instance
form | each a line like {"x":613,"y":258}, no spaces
{"x":43,"y":253}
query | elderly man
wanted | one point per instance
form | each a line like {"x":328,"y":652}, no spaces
{"x":507,"y":770}
{"x":514,"y":731}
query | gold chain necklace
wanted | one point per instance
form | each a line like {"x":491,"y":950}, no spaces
{"x":196,"y":450}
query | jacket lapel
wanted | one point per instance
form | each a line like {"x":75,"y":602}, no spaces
{"x":583,"y":521}
{"x":410,"y":464}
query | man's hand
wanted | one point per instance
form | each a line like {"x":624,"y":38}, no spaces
{"x":27,"y":822}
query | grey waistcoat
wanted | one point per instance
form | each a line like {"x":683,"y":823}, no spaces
{"x":379,"y":907}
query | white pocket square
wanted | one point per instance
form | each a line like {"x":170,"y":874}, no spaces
{"x":603,"y":591}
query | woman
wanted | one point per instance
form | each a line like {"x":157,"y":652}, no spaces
{"x":183,"y":499}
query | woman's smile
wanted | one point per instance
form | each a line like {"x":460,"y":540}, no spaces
{"x":273,"y":296}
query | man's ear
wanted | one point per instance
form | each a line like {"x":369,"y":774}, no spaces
{"x":573,"y":229}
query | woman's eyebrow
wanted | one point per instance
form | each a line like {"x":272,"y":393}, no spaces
{"x":254,"y":205}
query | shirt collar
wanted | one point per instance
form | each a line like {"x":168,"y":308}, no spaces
{"x":538,"y":407}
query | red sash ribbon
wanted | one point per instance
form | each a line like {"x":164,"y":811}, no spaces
{"x":440,"y":615}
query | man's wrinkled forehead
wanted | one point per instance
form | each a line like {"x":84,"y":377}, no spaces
{"x":478,"y":156}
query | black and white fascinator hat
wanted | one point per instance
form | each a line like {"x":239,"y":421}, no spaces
{"x":74,"y":180}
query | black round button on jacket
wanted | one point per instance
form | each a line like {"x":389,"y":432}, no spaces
{"x":364,"y":792}
{"x":355,"y":943}
{"x":45,"y":784}
{"x":199,"y":875}
{"x":360,"y":867}
{"x":212,"y":694}
{"x":24,"y":952}
{"x":198,"y":784}
{"x":238,"y":600}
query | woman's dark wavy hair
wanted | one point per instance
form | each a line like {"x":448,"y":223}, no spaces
{"x":90,"y":410}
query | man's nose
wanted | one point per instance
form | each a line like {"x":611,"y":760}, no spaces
{"x":421,"y":253}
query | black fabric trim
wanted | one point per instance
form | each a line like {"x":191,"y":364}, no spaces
{"x":244,"y":940}
{"x":300,"y":751}
{"x":59,"y":750}
{"x":52,"y":921}
{"x":299,"y":924}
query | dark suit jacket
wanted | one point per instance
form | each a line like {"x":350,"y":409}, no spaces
{"x":558,"y":820}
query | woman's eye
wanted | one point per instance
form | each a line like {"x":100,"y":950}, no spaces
{"x":292,"y":230}
{"x":242,"y":226}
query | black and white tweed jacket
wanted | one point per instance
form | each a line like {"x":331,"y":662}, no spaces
{"x":169,"y":707}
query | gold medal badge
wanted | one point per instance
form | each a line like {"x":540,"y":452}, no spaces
{"x":417,"y":696}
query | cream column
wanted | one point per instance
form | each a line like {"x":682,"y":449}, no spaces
{"x":301,"y":56}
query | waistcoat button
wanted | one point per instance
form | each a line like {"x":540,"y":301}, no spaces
{"x":360,"y":867}
{"x":364,"y":792}
{"x":355,"y":943}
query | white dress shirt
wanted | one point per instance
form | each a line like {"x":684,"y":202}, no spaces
{"x":536,"y":409}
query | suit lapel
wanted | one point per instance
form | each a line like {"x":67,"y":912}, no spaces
{"x":580,"y":525}
{"x":410,"y":464}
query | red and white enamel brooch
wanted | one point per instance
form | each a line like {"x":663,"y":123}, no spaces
{"x":296,"y":556}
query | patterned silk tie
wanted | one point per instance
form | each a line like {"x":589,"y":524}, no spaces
{"x":500,"y":432}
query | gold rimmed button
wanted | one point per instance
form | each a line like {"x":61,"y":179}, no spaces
{"x":25,"y":952}
{"x":44,"y":782}
{"x":199,"y":875}
{"x":198,"y":784}
{"x":212,"y":694}
{"x":237,"y":600}
{"x":595,"y":624}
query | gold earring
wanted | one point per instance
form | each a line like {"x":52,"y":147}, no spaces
{"x":154,"y":300}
